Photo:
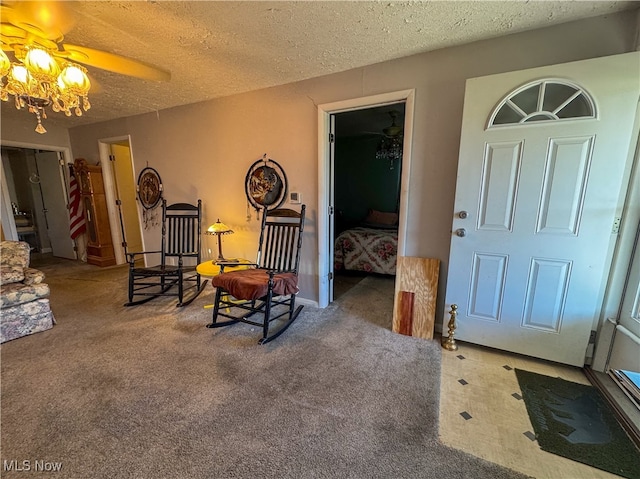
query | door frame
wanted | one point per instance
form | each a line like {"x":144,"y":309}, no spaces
{"x":8,"y":223}
{"x":325,"y":263}
{"x":104,"y":148}
{"x":624,"y":250}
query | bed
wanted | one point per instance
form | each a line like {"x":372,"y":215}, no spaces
{"x":372,"y":250}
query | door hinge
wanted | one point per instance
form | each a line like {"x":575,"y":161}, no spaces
{"x":112,"y":158}
{"x":118,"y":202}
{"x":330,"y":276}
{"x":615,"y":229}
{"x":330,"y":210}
{"x":332,"y":138}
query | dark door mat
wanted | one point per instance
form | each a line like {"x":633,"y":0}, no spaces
{"x":574,"y":421}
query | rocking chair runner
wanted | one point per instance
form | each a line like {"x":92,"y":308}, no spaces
{"x":181,"y":239}
{"x":273,"y":281}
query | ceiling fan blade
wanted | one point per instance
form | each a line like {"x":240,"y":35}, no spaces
{"x":48,"y":20}
{"x":96,"y":87}
{"x":377,"y":133}
{"x":114,"y":63}
{"x":10,"y":35}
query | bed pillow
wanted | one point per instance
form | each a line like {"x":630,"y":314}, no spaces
{"x":380,"y":219}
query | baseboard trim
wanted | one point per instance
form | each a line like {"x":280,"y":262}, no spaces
{"x":307,"y":302}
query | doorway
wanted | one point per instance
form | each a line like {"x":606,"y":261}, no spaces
{"x":121,"y":194}
{"x":35,"y":200}
{"x":367,"y":166}
{"x":326,"y":178}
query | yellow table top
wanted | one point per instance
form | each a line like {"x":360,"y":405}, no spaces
{"x":210,"y":268}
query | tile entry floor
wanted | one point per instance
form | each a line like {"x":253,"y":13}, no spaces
{"x":482,"y":412}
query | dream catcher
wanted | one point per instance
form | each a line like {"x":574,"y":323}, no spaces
{"x":265,"y":186}
{"x":149,"y":194}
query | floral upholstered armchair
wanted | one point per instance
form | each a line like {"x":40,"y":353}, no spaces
{"x":24,"y":298}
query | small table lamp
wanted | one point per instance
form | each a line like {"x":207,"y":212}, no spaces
{"x":219,"y":229}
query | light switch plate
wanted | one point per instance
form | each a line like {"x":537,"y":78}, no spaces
{"x":295,"y":198}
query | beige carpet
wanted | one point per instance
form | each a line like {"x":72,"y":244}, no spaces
{"x":149,"y":392}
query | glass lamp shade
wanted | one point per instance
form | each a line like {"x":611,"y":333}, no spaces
{"x":41,"y":65}
{"x":19,"y":80}
{"x":5,"y":64}
{"x":219,"y":228}
{"x":20,"y":74}
{"x":74,"y":78}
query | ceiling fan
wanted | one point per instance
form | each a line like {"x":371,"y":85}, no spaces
{"x":39,"y":69}
{"x":391,"y":131}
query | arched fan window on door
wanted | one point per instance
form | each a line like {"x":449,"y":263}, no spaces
{"x":543,"y":100}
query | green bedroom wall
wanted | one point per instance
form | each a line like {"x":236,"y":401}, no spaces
{"x":363,"y":182}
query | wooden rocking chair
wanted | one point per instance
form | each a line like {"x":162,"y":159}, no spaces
{"x":181,"y":239}
{"x":272,"y":282}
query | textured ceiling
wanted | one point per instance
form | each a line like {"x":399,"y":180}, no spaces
{"x":220,"y":48}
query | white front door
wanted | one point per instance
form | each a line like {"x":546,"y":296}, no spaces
{"x":543,"y":156}
{"x":54,"y":198}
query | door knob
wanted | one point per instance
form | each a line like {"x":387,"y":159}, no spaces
{"x":461,"y":232}
{"x":463,"y":215}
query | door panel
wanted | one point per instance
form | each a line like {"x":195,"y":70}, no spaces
{"x":530,"y":255}
{"x":487,"y":285}
{"x":500,"y":174}
{"x":54,"y":197}
{"x":564,"y":184}
{"x":546,"y":294}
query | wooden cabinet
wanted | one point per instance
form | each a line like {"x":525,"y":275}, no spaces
{"x":99,"y":244}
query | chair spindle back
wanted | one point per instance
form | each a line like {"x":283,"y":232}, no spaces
{"x":281,"y":239}
{"x":181,"y":230}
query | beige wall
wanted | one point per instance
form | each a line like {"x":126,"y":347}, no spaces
{"x":23,"y":131}
{"x":204,"y":150}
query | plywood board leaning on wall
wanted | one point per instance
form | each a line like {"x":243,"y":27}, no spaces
{"x":415,"y":296}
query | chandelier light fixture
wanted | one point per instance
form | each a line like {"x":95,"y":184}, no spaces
{"x":37,"y":80}
{"x":390,"y":148}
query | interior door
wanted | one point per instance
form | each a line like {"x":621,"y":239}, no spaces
{"x":125,"y":190}
{"x":332,"y":216}
{"x":54,"y":197}
{"x":543,"y":155}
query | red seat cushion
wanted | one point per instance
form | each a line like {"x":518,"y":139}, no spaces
{"x":254,"y":283}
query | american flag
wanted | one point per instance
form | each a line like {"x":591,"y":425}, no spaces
{"x":76,"y":217}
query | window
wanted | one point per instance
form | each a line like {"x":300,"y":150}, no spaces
{"x":546,"y":100}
